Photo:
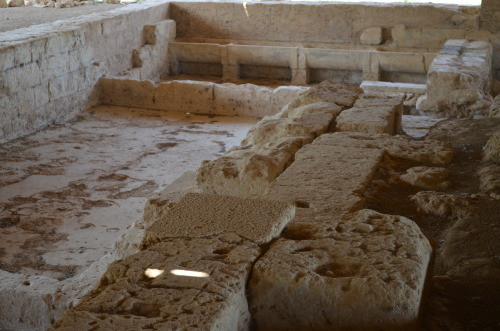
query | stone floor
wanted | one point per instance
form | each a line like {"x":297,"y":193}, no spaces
{"x":69,"y":192}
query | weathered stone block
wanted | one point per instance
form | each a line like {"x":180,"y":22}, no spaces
{"x":185,"y":96}
{"x":201,"y":215}
{"x":312,"y":108}
{"x":427,"y":177}
{"x":211,"y":297}
{"x":160,"y":32}
{"x":328,"y":91}
{"x":368,"y":265}
{"x":127,"y":92}
{"x":243,"y":100}
{"x":374,"y":120}
{"x":371,"y":36}
{"x":244,"y":172}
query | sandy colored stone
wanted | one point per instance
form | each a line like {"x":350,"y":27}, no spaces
{"x":371,"y":36}
{"x":161,"y":202}
{"x":427,"y":177}
{"x":127,"y":92}
{"x":365,"y":271}
{"x":427,"y":151}
{"x":326,"y":178}
{"x":489,"y":179}
{"x":495,"y":107}
{"x":128,"y":299}
{"x":373,"y":120}
{"x":200,"y":215}
{"x":458,"y":81}
{"x":378,"y":100}
{"x":272,"y":131}
{"x":442,"y":204}
{"x":328,"y":91}
{"x":492,"y":149}
{"x":244,"y":172}
{"x":313,"y":108}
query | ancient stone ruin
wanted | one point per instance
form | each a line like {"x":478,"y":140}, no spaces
{"x":235,"y":165}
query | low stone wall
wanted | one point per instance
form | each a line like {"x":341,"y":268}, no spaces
{"x":211,"y":98}
{"x":48,"y":72}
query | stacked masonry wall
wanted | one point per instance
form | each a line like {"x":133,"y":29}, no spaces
{"x":48,"y":72}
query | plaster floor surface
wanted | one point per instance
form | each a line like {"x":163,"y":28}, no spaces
{"x":68,"y":192}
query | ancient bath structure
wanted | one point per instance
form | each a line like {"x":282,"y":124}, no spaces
{"x":267,"y":165}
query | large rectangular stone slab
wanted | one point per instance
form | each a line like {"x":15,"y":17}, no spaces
{"x":179,"y":284}
{"x":365,"y":271}
{"x":201,"y":215}
{"x":373,"y":120}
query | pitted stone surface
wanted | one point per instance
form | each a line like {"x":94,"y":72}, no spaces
{"x":272,"y":131}
{"x":127,"y":298}
{"x":492,"y":149}
{"x":245,"y":172}
{"x":326,"y":179}
{"x":328,"y":91}
{"x":200,"y":215}
{"x":427,"y":151}
{"x":365,"y":271}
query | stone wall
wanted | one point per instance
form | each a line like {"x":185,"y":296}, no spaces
{"x":490,"y":15}
{"x":48,"y":72}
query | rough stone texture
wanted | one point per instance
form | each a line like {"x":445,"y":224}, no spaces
{"x":273,"y":131}
{"x":371,"y":36}
{"x":495,"y":107}
{"x":161,"y":202}
{"x":492,"y":149}
{"x":244,"y":172}
{"x":365,"y":271}
{"x":326,"y":179}
{"x":427,"y":151}
{"x":458,"y":81}
{"x":341,"y":94}
{"x":489,"y":177}
{"x":126,"y":298}
{"x":427,"y":177}
{"x":200,"y":215}
{"x":319,"y":107}
{"x":442,"y":204}
{"x":372,"y":120}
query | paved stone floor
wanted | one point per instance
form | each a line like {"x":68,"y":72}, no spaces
{"x":67,"y":193}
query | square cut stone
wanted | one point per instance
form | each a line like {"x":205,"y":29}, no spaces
{"x":328,"y":91}
{"x":365,"y":271}
{"x":200,"y":215}
{"x":373,"y":120}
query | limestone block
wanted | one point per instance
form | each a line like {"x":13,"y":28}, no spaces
{"x":159,"y":203}
{"x":15,"y":3}
{"x":427,"y":177}
{"x":406,"y":37}
{"x":312,"y":108}
{"x":64,"y":41}
{"x":371,"y":36}
{"x":3,"y":3}
{"x":492,"y":149}
{"x":340,"y":59}
{"x":185,"y":96}
{"x":128,"y":297}
{"x":127,"y":92}
{"x":201,"y":215}
{"x":26,"y":301}
{"x":442,"y":204}
{"x":489,"y":180}
{"x":342,"y":94}
{"x":271,"y":131}
{"x":458,"y":81}
{"x":243,"y":100}
{"x":427,"y":151}
{"x":436,"y":38}
{"x":282,"y":95}
{"x":365,"y":271}
{"x":7,"y":58}
{"x":18,"y":78}
{"x":160,"y":32}
{"x":381,"y":87}
{"x":195,"y":52}
{"x":400,"y":61}
{"x":261,"y":55}
{"x":373,"y":120}
{"x":495,"y":108}
{"x":244,"y":172}
{"x":327,"y":178}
